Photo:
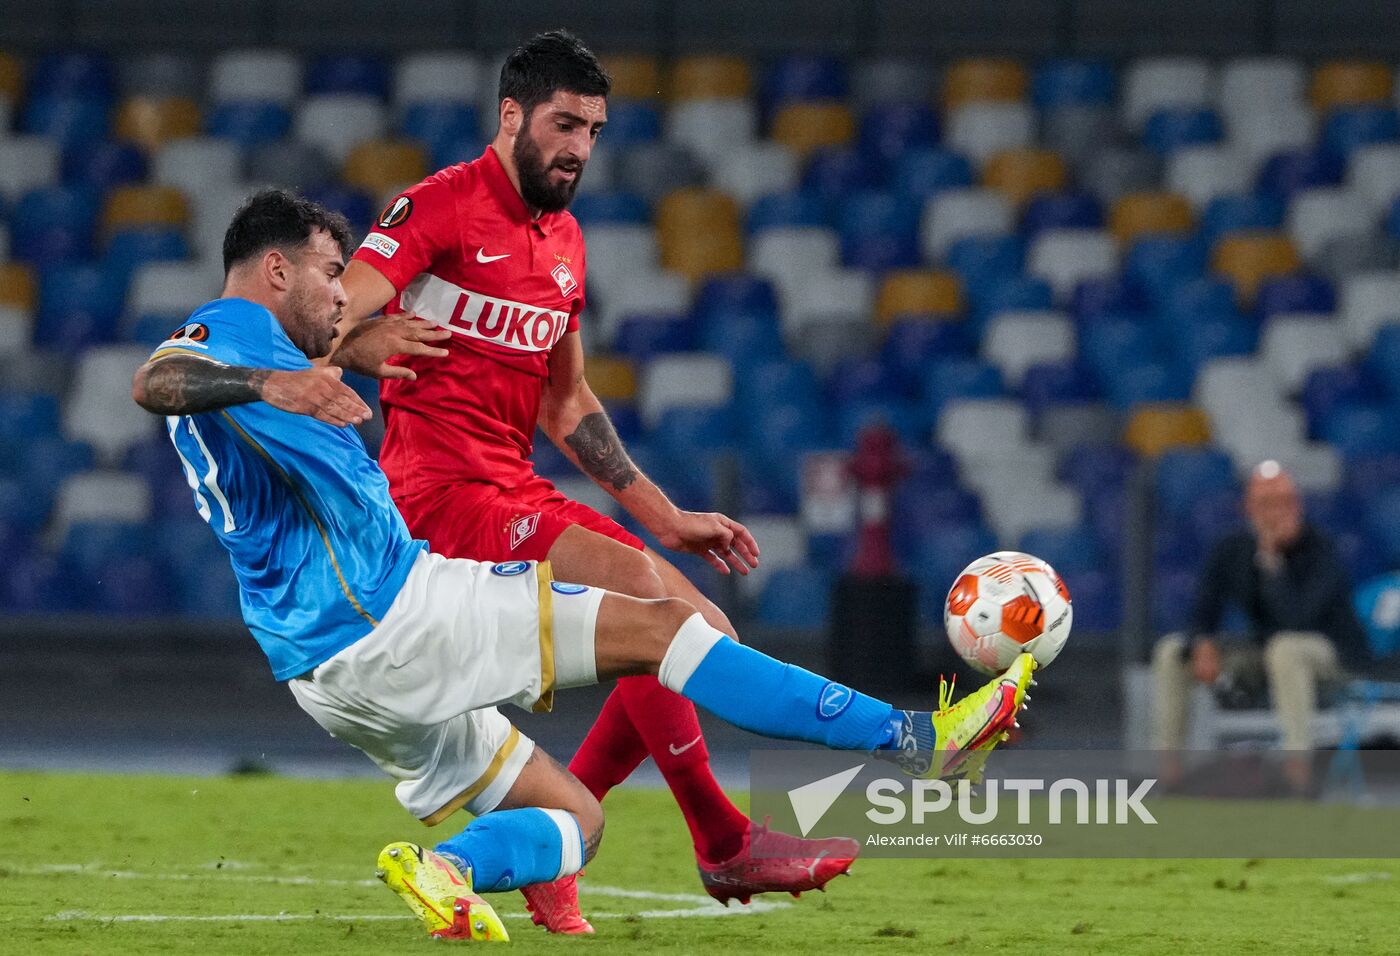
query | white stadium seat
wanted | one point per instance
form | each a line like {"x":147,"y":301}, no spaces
{"x":172,"y":288}
{"x":1317,"y":216}
{"x":1158,"y":83}
{"x":891,"y":81}
{"x":1258,"y":134}
{"x":1294,"y":344}
{"x":1314,"y":466}
{"x":99,"y":409}
{"x":1374,"y":175}
{"x":792,"y":254}
{"x":1012,"y":509}
{"x":99,"y":496}
{"x":1368,"y":301}
{"x":27,"y":162}
{"x":272,"y":75}
{"x":750,"y":170}
{"x":683,"y":381}
{"x":1066,"y":257}
{"x":976,"y":425}
{"x":649,"y":291}
{"x":211,"y":211}
{"x":710,"y":128}
{"x":825,"y":294}
{"x":338,"y":122}
{"x":193,"y":164}
{"x":16,"y":330}
{"x":981,"y":130}
{"x":1014,"y":341}
{"x":1201,"y":173}
{"x":436,"y":77}
{"x":783,"y":543}
{"x":1254,"y":83}
{"x":616,"y":252}
{"x":958,"y":213}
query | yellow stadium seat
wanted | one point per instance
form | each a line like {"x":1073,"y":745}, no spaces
{"x":710,"y":77}
{"x":610,"y":377}
{"x":983,"y":79}
{"x":383,"y":165}
{"x":16,"y":285}
{"x":1248,"y":258}
{"x":1156,"y":427}
{"x":1142,"y":214}
{"x":150,"y":122}
{"x":698,"y":231}
{"x":1021,"y":173}
{"x":11,"y":78}
{"x":634,"y":77}
{"x":803,"y":127}
{"x":135,"y":206}
{"x":918,"y":292}
{"x":1350,"y":82}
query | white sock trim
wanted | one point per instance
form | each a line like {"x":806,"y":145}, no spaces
{"x":571,"y":836}
{"x":688,"y":648}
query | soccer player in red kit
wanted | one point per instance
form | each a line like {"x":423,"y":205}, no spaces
{"x":486,"y":251}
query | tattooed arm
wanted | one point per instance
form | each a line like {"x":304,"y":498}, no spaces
{"x":574,"y":419}
{"x":176,"y":385}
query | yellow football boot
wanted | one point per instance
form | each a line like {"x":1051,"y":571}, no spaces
{"x":439,"y":894}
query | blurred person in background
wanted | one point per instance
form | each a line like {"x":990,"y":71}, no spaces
{"x":1288,"y":579}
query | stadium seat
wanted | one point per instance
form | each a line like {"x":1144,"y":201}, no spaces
{"x":450,"y":131}
{"x":890,"y":130}
{"x":631,"y":122}
{"x":1119,"y":171}
{"x":1317,"y":216}
{"x":73,"y":121}
{"x":854,"y":379}
{"x":79,"y":305}
{"x":946,"y":380}
{"x":915,"y":291}
{"x":1204,"y":173}
{"x":1287,"y":173}
{"x":834,"y":174}
{"x":1362,"y":430}
{"x":1014,"y":341}
{"x":1368,"y":301}
{"x":189,"y":164}
{"x":1349,"y":83}
{"x":745,"y":338}
{"x":1169,"y":130}
{"x":967,"y":427}
{"x":709,"y":77}
{"x":1259,"y":133}
{"x":990,"y":267}
{"x":70,"y":73}
{"x":1071,"y":551}
{"x":803,"y":127}
{"x":1047,"y":384}
{"x":787,"y":256}
{"x":1071,"y":82}
{"x":879,"y":231}
{"x":1240,"y":213}
{"x":981,"y":130}
{"x":347,"y":73}
{"x":1142,"y":214}
{"x":100,"y":496}
{"x":616,"y":251}
{"x":983,"y":80}
{"x":709,"y":128}
{"x":1331,"y":387}
{"x":1247,"y":259}
{"x":1197,"y":340}
{"x":1153,"y":84}
{"x":1066,"y":257}
{"x":1353,"y":128}
{"x":748,"y":171}
{"x":797,"y":597}
{"x":845,"y":293}
{"x":16,"y":330}
{"x":683,"y":381}
{"x":611,"y":378}
{"x":151,"y":122}
{"x":91,"y":415}
{"x":16,"y":286}
{"x":440,"y":77}
{"x":921,"y":174}
{"x":1110,"y":295}
{"x":105,"y":165}
{"x":913,"y":344}
{"x":698,"y":232}
{"x":1384,"y":358}
{"x":651,"y":170}
{"x":11,"y":78}
{"x":134,"y":206}
{"x":1294,"y":293}
{"x":1061,"y":211}
{"x":825,"y":340}
{"x":620,"y":208}
{"x":298,"y":165}
{"x":1292,"y":345}
{"x":1254,"y":83}
{"x":1020,"y":174}
{"x":891,"y":79}
{"x":245,"y":75}
{"x":789,"y":549}
{"x":163,"y":294}
{"x":249,"y":123}
{"x":958,"y":213}
{"x":1079,"y":132}
{"x":380,"y":167}
{"x":735,"y":292}
{"x":338,"y":122}
{"x":129,"y":249}
{"x":27,"y":163}
{"x":634,"y":76}
{"x":1374,"y":175}
{"x":1192,"y":298}
{"x":643,"y":336}
{"x":1154,"y":429}
{"x":658,"y":291}
{"x":1066,"y":426}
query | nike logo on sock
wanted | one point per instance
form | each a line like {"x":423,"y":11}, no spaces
{"x":677,"y":751}
{"x":483,"y":258}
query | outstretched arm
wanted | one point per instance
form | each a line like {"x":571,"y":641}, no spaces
{"x":364,"y":344}
{"x":176,"y":385}
{"x":574,"y":419}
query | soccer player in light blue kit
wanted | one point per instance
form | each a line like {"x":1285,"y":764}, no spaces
{"x":406,"y":654}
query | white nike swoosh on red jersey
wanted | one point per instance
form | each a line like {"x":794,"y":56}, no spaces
{"x":677,"y":751}
{"x":482,"y":257}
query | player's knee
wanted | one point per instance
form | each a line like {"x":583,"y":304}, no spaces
{"x":637,"y":576}
{"x":591,"y":825}
{"x":666,"y":617}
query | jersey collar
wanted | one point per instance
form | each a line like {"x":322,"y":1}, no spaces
{"x":505,"y":191}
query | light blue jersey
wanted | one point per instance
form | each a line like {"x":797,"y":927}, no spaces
{"x":319,"y":549}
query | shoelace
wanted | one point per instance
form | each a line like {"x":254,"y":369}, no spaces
{"x":776,"y":844}
{"x":945,"y":693}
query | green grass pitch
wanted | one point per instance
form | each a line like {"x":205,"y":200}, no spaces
{"x":252,"y":865}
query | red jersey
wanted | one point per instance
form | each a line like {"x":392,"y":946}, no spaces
{"x":463,"y":253}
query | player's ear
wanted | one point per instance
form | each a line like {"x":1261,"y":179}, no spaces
{"x":512,"y":117}
{"x":278,"y":269}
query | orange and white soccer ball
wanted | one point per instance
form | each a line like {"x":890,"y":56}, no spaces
{"x":1005,"y":604}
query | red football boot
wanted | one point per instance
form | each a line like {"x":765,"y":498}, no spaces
{"x":555,"y":906}
{"x":772,"y":862}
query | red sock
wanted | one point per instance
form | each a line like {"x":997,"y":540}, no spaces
{"x":612,"y":749}
{"x":667,"y":722}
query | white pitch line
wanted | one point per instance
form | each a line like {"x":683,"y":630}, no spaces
{"x":1349,"y":878}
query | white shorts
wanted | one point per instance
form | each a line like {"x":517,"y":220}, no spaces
{"x":419,"y":693}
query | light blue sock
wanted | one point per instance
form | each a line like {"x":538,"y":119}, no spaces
{"x":513,"y":848}
{"x":763,"y":695}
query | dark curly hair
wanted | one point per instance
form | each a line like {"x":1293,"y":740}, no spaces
{"x":279,"y":218}
{"x":547,"y":63}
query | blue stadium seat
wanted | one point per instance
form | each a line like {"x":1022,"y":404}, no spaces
{"x":948,"y":379}
{"x":1329,"y":388}
{"x":1091,"y":469}
{"x":618,"y":209}
{"x":1098,"y":600}
{"x":36,"y":583}
{"x":939,"y":559}
{"x":137,"y":585}
{"x":1146,"y":380}
{"x":1070,"y":551}
{"x":1363,"y":556}
{"x":802,"y":78}
{"x":249,"y":123}
{"x":1072,"y":82}
{"x":1383,"y":524}
{"x":1384,"y":360}
{"x":53,"y":224}
{"x":631,"y":122}
{"x":91,"y":547}
{"x":1173,"y":597}
{"x":912,"y":345}
{"x":1215,"y":515}
{"x":25,"y":416}
{"x":684,"y":430}
{"x":627,"y":421}
{"x":79,"y":305}
{"x":854,"y":379}
{"x":986,"y":259}
{"x":104,"y":165}
{"x":1241,"y":213}
{"x":75,"y":121}
{"x":745,"y":338}
{"x":71,"y":73}
{"x":1113,"y":340}
{"x":1295,"y":293}
{"x":776,"y":383}
{"x":905,"y":417}
{"x":798,"y":597}
{"x":1106,"y":511}
{"x":1392,"y":219}
{"x":1286,"y":173}
{"x":921,"y":509}
{"x":129,"y":249}
{"x":1062,"y":211}
{"x":1157,"y":263}
{"x":357,"y":207}
{"x":889,"y":130}
{"x":1332,"y":511}
{"x":1055,"y":383}
{"x":344,"y":73}
{"x":1171,"y":129}
{"x":1017,"y":293}
{"x":1109,"y":295}
{"x":1350,"y":128}
{"x":932,"y":465}
{"x":921,"y":174}
{"x":23,"y":507}
{"x":1186,"y":475}
{"x":782,"y":432}
{"x":768,"y":486}
{"x":1363,"y":430}
{"x":641,"y":337}
{"x":1197,"y":341}
{"x":832,"y":175}
{"x":734,"y":292}
{"x":46,"y":458}
{"x":785,"y":210}
{"x":879,"y":231}
{"x":1188,"y":299}
{"x":442,"y":127}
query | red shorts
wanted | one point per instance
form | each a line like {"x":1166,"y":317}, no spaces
{"x":484,"y":523}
